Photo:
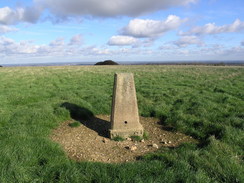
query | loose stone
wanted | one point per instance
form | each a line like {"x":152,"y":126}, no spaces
{"x":155,"y":146}
{"x":133,"y":148}
{"x":105,"y":140}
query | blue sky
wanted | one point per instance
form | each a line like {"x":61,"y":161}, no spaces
{"x":41,"y":31}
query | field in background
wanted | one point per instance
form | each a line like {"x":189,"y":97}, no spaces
{"x":206,"y":102}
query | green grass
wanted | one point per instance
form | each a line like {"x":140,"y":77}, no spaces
{"x":74,"y":124}
{"x":145,"y":135}
{"x":202,"y":101}
{"x":118,"y":138}
{"x":136,"y":138}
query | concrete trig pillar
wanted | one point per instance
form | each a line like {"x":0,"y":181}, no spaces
{"x":125,"y":118}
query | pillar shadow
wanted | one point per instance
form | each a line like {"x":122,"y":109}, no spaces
{"x":164,"y":126}
{"x":87,"y":118}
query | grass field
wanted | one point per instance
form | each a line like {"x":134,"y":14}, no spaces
{"x":206,"y":102}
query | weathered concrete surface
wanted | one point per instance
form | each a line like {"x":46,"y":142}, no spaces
{"x":125,"y":117}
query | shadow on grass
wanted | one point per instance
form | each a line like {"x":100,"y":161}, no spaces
{"x":165,"y":126}
{"x":87,"y":118}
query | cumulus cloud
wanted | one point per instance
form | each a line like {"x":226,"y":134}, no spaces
{"x":109,"y":8}
{"x":5,"y":41}
{"x":10,"y":47}
{"x":76,"y":40}
{"x":141,"y":28}
{"x":99,"y":51}
{"x":32,"y":14}
{"x":188,"y":40}
{"x":57,"y":47}
{"x":121,"y":41}
{"x":145,"y":42}
{"x":211,"y":28}
{"x":10,"y":16}
{"x":62,"y":9}
{"x":57,"y":43}
{"x":236,"y":51}
{"x":5,"y":29}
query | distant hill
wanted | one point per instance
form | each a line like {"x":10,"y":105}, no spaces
{"x":1,"y":66}
{"x":107,"y":62}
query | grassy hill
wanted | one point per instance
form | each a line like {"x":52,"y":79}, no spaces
{"x":203,"y":101}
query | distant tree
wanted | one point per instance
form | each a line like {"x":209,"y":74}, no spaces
{"x":107,"y":62}
{"x":1,"y":66}
{"x":220,"y":64}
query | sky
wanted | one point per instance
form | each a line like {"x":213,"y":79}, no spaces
{"x":48,"y":31}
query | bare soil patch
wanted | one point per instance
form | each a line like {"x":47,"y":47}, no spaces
{"x":90,"y":142}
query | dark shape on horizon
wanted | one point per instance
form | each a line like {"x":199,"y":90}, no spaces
{"x":1,"y":66}
{"x":107,"y":62}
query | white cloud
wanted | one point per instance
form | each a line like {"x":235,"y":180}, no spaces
{"x":33,"y":13}
{"x":145,"y":42}
{"x":10,"y":16}
{"x":5,"y":29}
{"x":56,"y":48}
{"x":188,"y":40}
{"x":109,"y":8}
{"x":211,"y":28}
{"x":57,"y":43}
{"x":59,"y":49}
{"x":62,"y":9}
{"x":168,"y":46}
{"x":121,"y":41}
{"x":99,"y":51}
{"x":5,"y":41}
{"x":76,"y":40}
{"x":10,"y":47}
{"x":151,"y":28}
{"x":239,"y":51}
